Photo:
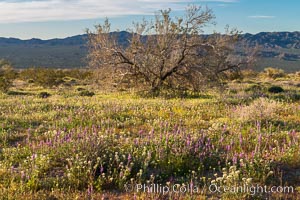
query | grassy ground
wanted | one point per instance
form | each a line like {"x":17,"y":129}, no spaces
{"x":69,"y":146}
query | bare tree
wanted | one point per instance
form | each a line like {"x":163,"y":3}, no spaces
{"x":166,"y":52}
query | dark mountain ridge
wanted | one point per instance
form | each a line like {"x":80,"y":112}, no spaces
{"x":74,"y":40}
{"x":269,"y":39}
{"x":279,"y":49}
{"x":274,"y":39}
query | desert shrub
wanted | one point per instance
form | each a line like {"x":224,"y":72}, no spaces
{"x":296,"y":97}
{"x":44,"y":95}
{"x":79,"y":74}
{"x":69,"y":81}
{"x":274,"y":73}
{"x":232,"y":91}
{"x":4,"y":84}
{"x":13,"y":93}
{"x":86,"y":93}
{"x":53,"y":77}
{"x":249,"y":73}
{"x":261,"y":109}
{"x":254,"y":88}
{"x":290,"y":96}
{"x":254,"y":91}
{"x":275,"y":89}
{"x":80,"y":89}
{"x":7,"y":75}
{"x":42,"y":76}
{"x":30,"y":81}
{"x":234,"y":76}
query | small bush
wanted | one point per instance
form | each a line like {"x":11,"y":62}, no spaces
{"x":234,"y":76}
{"x":44,"y":95}
{"x":42,"y":76}
{"x":86,"y":93}
{"x":7,"y":75}
{"x":47,"y":77}
{"x":232,"y":91}
{"x":80,"y":89}
{"x":30,"y":81}
{"x":275,"y":89}
{"x":17,"y":93}
{"x":4,"y":84}
{"x":274,"y":73}
{"x":78,"y":74}
{"x":295,"y":97}
{"x":254,"y":88}
{"x":249,"y":73}
{"x":262,"y":109}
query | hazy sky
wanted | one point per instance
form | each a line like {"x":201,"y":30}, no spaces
{"x":60,"y":18}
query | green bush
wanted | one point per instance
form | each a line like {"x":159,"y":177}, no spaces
{"x":30,"y":81}
{"x":80,"y":89}
{"x":275,"y":89}
{"x":7,"y":75}
{"x":86,"y":93}
{"x":46,"y":77}
{"x":4,"y":84}
{"x":79,"y":74}
{"x":254,"y":88}
{"x":232,"y":91}
{"x":42,"y":76}
{"x":14,"y":93}
{"x":44,"y":95}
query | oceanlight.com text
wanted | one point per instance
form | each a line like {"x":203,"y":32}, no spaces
{"x":212,"y":189}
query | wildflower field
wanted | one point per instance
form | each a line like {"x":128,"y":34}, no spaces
{"x":102,"y":146}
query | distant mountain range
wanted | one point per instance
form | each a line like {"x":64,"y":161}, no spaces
{"x":280,"y":50}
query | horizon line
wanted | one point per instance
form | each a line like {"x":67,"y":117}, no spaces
{"x":70,"y":36}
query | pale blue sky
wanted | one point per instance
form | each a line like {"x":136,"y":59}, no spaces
{"x":61,"y":18}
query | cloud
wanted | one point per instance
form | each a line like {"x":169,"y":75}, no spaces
{"x":56,"y":10}
{"x":221,"y":1}
{"x":261,"y":17}
{"x":180,"y":1}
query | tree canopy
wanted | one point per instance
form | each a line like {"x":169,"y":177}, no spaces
{"x":166,"y":53}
